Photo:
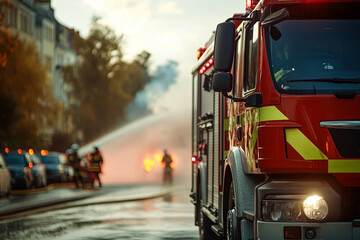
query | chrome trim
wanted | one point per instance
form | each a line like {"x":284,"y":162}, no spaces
{"x":355,"y":125}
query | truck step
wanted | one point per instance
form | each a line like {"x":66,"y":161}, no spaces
{"x":217,"y":230}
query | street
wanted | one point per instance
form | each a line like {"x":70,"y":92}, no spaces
{"x":165,"y":217}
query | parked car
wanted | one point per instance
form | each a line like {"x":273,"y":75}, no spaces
{"x":39,"y":171}
{"x":5,"y":178}
{"x":55,"y":167}
{"x":20,"y":167}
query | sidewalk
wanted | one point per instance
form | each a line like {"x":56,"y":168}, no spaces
{"x":65,"y":197}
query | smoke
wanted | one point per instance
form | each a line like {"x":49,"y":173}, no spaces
{"x":167,"y":125}
{"x":126,"y":149}
{"x":143,"y":102}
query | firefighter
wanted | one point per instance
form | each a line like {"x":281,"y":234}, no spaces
{"x":95,"y":163}
{"x":74,"y":161}
{"x":166,"y":161}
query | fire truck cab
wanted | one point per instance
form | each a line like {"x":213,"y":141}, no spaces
{"x":276,"y":123}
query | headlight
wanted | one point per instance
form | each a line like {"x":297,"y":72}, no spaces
{"x":284,"y":210}
{"x":315,"y":207}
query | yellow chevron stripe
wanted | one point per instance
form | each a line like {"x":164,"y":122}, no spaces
{"x":344,"y":166}
{"x":226,"y":124}
{"x":226,"y":152}
{"x":271,"y":113}
{"x":303,"y":145}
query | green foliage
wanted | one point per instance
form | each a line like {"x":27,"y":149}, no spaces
{"x":103,"y":84}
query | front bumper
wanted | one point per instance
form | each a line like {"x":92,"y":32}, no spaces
{"x":329,"y":231}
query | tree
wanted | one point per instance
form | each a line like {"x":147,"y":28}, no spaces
{"x":103,"y":84}
{"x":30,"y":103}
{"x":26,"y":101}
{"x":8,"y":42}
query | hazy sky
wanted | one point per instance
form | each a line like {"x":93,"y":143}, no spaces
{"x":168,"y":29}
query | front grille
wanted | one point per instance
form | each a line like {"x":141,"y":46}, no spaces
{"x":347,"y":141}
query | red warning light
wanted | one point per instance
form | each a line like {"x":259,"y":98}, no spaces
{"x":251,"y":4}
{"x":193,"y":159}
{"x":7,"y":150}
{"x":31,"y":165}
{"x":248,"y":3}
{"x":206,"y":66}
{"x":19,"y":151}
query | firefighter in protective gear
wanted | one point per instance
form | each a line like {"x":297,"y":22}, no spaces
{"x":95,"y":163}
{"x":74,"y":161}
{"x":166,"y":161}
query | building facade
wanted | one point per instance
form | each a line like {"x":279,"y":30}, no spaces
{"x":34,"y":21}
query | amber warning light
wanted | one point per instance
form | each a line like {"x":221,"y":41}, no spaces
{"x":200,"y":52}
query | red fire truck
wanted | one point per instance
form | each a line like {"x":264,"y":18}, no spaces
{"x":276,"y":123}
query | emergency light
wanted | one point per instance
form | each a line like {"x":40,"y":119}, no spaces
{"x":194,"y":159}
{"x":31,"y":151}
{"x":200,"y":52}
{"x":44,"y":152}
{"x":207,"y":65}
{"x":251,"y":4}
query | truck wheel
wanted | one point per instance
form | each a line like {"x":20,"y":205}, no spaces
{"x":231,"y":220}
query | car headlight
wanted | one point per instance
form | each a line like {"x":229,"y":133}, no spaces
{"x":315,"y":207}
{"x":281,"y":210}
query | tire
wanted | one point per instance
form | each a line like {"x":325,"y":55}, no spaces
{"x":232,"y":227}
{"x":205,"y":231}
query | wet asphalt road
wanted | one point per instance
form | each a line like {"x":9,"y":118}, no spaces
{"x":170,"y":217}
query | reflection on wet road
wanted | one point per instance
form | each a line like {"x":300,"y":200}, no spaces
{"x":170,"y":217}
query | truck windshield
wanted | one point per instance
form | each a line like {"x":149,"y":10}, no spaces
{"x":315,"y":56}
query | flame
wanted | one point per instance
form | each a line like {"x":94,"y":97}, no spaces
{"x":155,"y":161}
{"x":148,"y":164}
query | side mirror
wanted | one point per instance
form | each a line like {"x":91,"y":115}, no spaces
{"x":254,"y":100}
{"x":224,"y":46}
{"x":275,"y":17}
{"x":222,"y":82}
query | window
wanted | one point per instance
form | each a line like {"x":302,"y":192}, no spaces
{"x":25,"y":23}
{"x":251,"y":58}
{"x":48,"y":63}
{"x":315,"y":56}
{"x":237,"y":68}
{"x":48,"y":33}
{"x":12,"y":17}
